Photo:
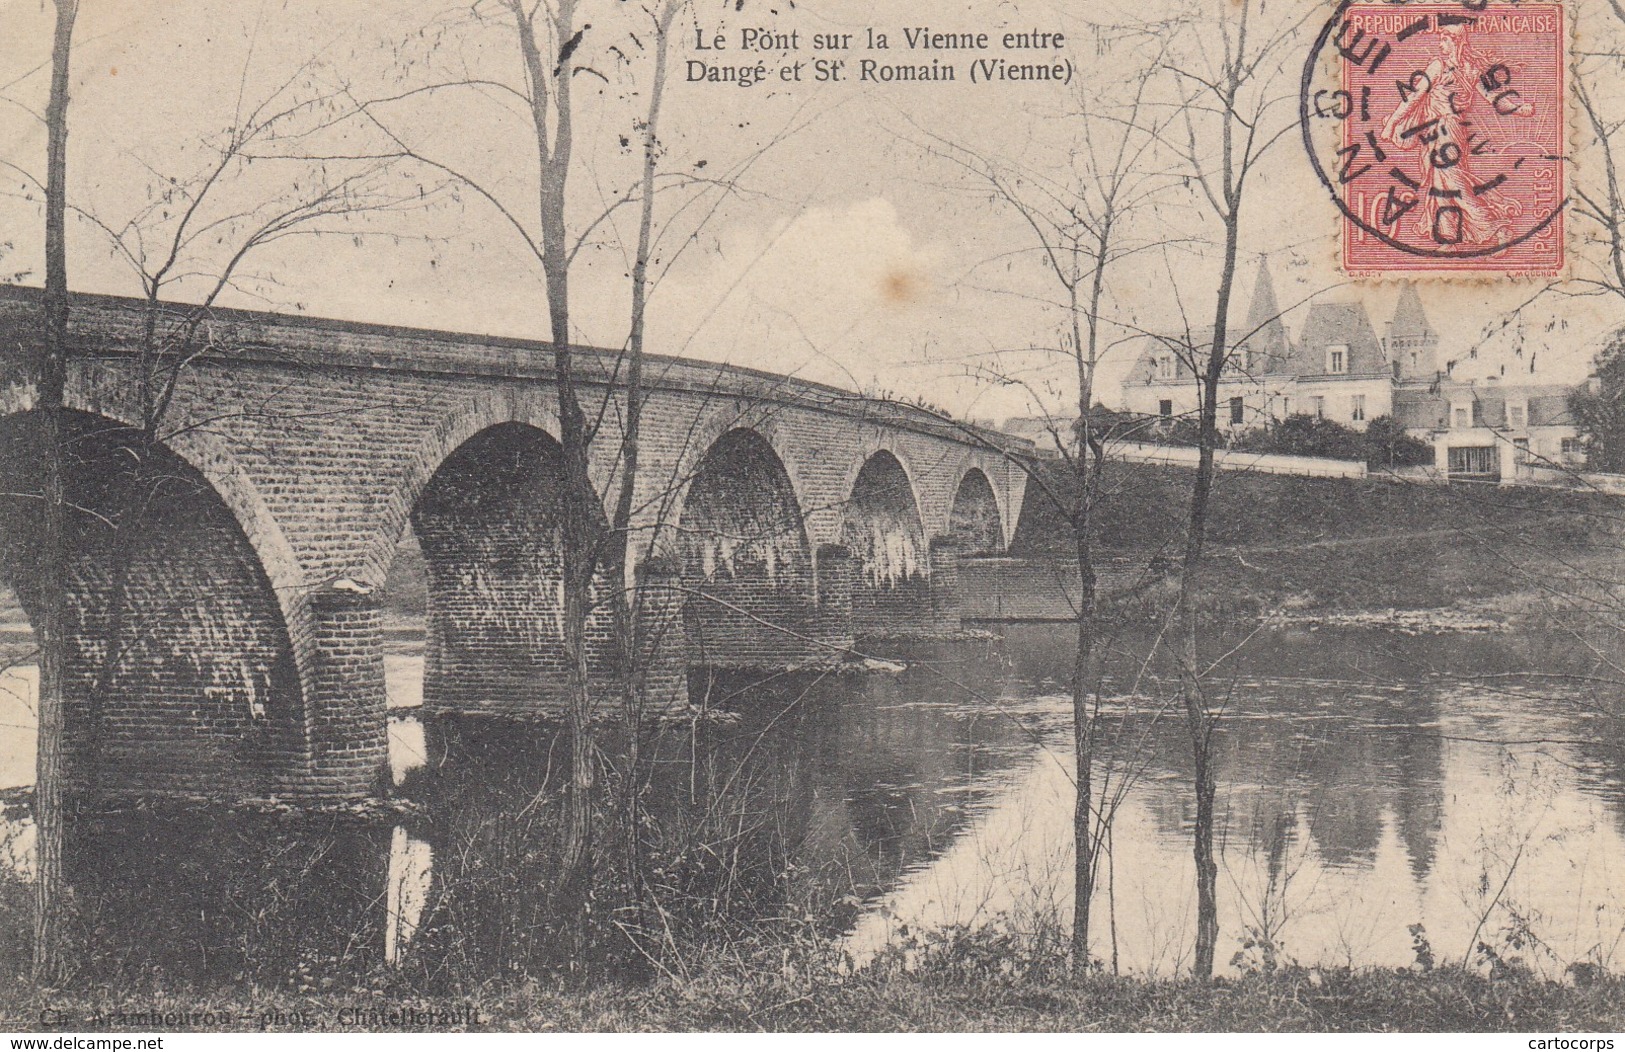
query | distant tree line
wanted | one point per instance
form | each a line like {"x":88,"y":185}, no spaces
{"x":1599,"y":410}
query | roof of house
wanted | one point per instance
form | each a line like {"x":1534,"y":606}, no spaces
{"x":1332,"y":323}
{"x":1548,"y":403}
{"x":1428,"y":406}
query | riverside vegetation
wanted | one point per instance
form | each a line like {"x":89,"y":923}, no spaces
{"x":758,"y":950}
{"x":957,"y":981}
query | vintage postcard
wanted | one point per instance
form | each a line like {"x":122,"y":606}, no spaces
{"x":697,"y":515}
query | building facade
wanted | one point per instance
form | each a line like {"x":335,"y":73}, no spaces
{"x":1338,"y":368}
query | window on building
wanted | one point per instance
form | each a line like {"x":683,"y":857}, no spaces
{"x":1517,"y":414}
{"x":1520,"y":451}
{"x":1463,"y":417}
{"x":1165,"y":409}
{"x":1337,"y":358}
{"x":1573,"y":447}
{"x":1165,"y":367}
{"x":1357,"y":410}
{"x":1472,"y":460}
{"x":1317,"y":405}
{"x":1238,"y":410}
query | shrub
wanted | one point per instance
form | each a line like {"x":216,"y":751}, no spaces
{"x":1387,"y":445}
{"x":1311,"y":436}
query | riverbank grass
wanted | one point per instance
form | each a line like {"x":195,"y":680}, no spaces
{"x":890,"y":1000}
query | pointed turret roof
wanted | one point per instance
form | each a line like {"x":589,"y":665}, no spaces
{"x":1409,"y":317}
{"x":1267,"y":345}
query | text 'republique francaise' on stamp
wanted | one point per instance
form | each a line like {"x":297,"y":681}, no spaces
{"x":1440,"y":131}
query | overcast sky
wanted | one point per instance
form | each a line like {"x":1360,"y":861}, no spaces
{"x":850,"y":254}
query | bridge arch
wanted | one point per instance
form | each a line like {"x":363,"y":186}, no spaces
{"x":188,"y":657}
{"x":877,"y":445}
{"x":746,"y":561}
{"x":105,"y":395}
{"x":974,"y":522}
{"x":488,"y":410}
{"x":883,"y":532}
{"x":702,"y":433}
{"x":489,"y":521}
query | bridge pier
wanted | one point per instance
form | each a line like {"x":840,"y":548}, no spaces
{"x":348,"y":704}
{"x":944,"y":586}
{"x":835,"y":575}
{"x":662,"y":649}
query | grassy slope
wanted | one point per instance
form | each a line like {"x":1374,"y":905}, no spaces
{"x":1144,"y":508}
{"x":1347,"y":543}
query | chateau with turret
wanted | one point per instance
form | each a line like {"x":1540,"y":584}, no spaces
{"x":1339,"y":368}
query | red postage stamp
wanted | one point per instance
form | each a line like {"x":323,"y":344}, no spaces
{"x":1450,"y":136}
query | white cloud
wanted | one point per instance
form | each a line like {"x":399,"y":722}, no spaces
{"x":840,"y":293}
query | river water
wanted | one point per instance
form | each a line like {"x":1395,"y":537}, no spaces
{"x":1381,"y":797}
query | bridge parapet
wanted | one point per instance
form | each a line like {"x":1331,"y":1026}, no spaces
{"x":113,"y":326}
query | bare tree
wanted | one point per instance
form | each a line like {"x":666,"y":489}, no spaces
{"x":627,"y":601}
{"x":1081,"y":224}
{"x":195,"y":231}
{"x":1232,"y":94}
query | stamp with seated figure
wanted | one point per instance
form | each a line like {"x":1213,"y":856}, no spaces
{"x":1439,"y":130}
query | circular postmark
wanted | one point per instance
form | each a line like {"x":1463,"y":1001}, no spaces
{"x":1438,"y":129}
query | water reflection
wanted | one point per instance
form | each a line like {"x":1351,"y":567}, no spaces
{"x":1368,"y":781}
{"x":801,"y":796}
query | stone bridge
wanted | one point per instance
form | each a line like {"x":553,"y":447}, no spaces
{"x":227,"y":621}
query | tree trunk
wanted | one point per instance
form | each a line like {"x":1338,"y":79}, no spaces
{"x":550,"y":103}
{"x":1083,"y":734}
{"x":50,"y":887}
{"x":627,"y":603}
{"x":1198,"y":722}
{"x":1086,"y":465}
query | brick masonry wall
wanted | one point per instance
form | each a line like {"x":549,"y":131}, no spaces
{"x":835,"y":576}
{"x":349,"y":745}
{"x":319,"y":439}
{"x":945,"y":612}
{"x":180,"y":672}
{"x":663,"y":659}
